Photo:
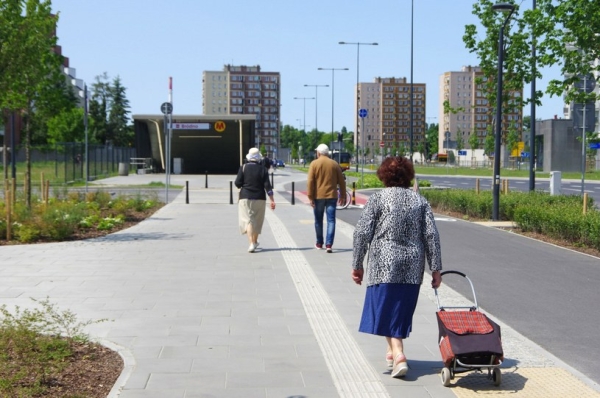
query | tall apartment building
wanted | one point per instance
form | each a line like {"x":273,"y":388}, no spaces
{"x":387,"y":101}
{"x":246,"y":90}
{"x":475,"y":114}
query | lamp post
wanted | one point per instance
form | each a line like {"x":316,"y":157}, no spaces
{"x":532,"y":117}
{"x":358,"y":44}
{"x":332,"y":108}
{"x":304,"y":100}
{"x":80,"y":84}
{"x":316,"y":86}
{"x":412,"y":94}
{"x":505,"y":8}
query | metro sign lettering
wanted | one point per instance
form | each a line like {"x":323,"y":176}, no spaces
{"x":190,"y":126}
{"x":220,"y":126}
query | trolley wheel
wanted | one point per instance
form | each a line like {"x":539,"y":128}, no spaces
{"x":446,"y":376}
{"x":497,"y":376}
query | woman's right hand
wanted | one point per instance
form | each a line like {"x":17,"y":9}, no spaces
{"x":436,"y":279}
{"x":357,"y":276}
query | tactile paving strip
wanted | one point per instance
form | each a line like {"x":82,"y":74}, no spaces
{"x":523,"y":382}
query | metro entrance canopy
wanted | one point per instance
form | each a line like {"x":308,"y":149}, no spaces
{"x":214,"y":144}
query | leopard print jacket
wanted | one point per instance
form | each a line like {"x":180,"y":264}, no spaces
{"x":398,"y":229}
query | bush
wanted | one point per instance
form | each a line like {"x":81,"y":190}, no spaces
{"x":34,"y":346}
{"x":62,"y":219}
{"x":559,"y":216}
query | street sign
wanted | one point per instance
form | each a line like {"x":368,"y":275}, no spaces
{"x":362,"y":112}
{"x":594,"y":145}
{"x":462,"y":153}
{"x":166,"y":108}
{"x":190,"y":126}
{"x":524,"y":154}
{"x":447,"y":134}
{"x":381,"y":144}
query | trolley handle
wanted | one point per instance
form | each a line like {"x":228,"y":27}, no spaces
{"x":474,"y":308}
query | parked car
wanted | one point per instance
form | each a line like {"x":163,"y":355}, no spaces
{"x":279,"y":163}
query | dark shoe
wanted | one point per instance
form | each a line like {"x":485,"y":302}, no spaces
{"x":318,"y":246}
{"x":329,"y":249}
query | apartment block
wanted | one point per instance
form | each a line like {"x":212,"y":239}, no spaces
{"x":246,"y":90}
{"x":465,"y":92}
{"x":387,"y":124}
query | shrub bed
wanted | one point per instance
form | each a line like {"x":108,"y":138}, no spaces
{"x":558,"y":216}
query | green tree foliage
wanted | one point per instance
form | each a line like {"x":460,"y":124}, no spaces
{"x":30,"y":67}
{"x":490,"y":142}
{"x":98,"y":109}
{"x":561,"y":37}
{"x":473,"y":141}
{"x":433,"y":130}
{"x":67,"y":126}
{"x":109,"y":112}
{"x":512,"y":139}
{"x":120,"y":131}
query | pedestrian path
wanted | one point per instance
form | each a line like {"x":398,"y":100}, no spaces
{"x":195,"y":315}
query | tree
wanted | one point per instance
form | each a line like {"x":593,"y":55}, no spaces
{"x":560,"y":39}
{"x":490,"y":142}
{"x":460,"y":142}
{"x":512,"y":139}
{"x":473,"y":144}
{"x":30,"y":67}
{"x":120,"y":132}
{"x":67,"y":126}
{"x":98,"y":109}
{"x":432,"y":139}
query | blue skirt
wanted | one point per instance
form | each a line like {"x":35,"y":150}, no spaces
{"x":389,"y":309}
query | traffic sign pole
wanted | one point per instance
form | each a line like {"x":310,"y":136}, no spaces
{"x":363,"y":114}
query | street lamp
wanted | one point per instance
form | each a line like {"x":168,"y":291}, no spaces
{"x":532,"y":117}
{"x":357,"y":99}
{"x":316,"y":86}
{"x":504,"y":8}
{"x":304,"y":99}
{"x":412,"y":94}
{"x":332,"y":109}
{"x":80,"y":84}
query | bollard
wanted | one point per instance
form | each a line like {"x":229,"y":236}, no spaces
{"x":206,"y":179}
{"x":354,"y":192}
{"x":187,"y":192}
{"x":230,"y":192}
{"x":293,"y":197}
{"x":477,"y":186}
{"x":272,"y":181}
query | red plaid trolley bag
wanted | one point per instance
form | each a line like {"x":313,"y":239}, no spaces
{"x":468,"y":340}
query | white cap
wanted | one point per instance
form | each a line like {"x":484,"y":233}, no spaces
{"x":323,"y":149}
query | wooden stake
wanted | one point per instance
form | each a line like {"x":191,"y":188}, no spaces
{"x":585,"y":201}
{"x":477,"y":186}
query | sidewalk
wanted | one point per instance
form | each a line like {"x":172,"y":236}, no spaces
{"x":195,"y":315}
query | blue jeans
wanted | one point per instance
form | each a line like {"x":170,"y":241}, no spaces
{"x":325,"y":206}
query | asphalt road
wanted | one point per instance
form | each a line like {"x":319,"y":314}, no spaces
{"x":568,"y":187}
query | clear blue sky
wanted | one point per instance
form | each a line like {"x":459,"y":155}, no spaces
{"x":146,"y":41}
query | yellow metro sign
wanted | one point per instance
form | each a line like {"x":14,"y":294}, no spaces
{"x":220,"y":126}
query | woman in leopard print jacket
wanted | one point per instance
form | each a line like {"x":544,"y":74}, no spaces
{"x":398,"y":231}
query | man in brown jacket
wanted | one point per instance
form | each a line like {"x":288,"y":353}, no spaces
{"x":324,"y":177}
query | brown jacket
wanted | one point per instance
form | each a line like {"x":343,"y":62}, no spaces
{"x":324,"y":177}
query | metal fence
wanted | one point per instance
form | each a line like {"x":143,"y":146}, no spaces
{"x":69,"y":161}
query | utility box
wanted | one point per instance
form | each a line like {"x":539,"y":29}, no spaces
{"x":555,"y":181}
{"x":177,"y":165}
